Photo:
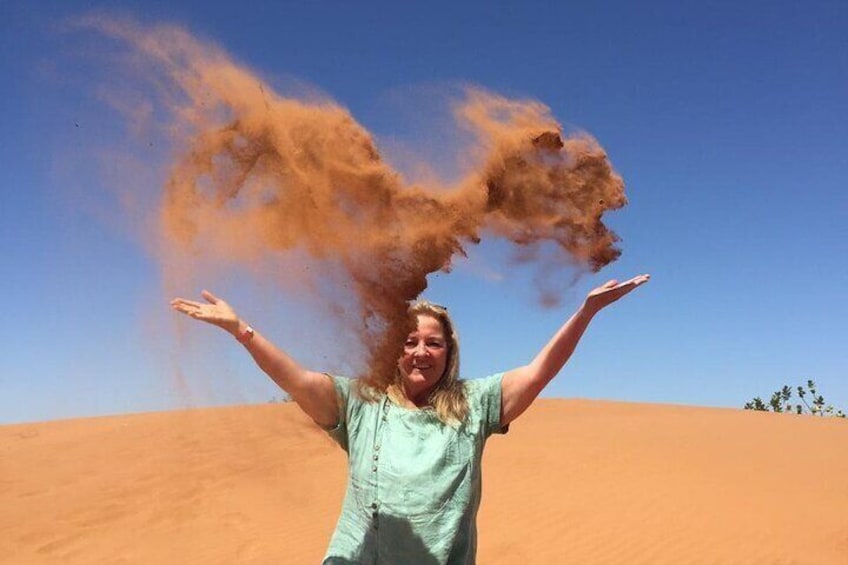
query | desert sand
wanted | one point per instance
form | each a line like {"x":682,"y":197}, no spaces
{"x":574,"y":481}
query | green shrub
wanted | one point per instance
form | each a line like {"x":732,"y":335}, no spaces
{"x":280,"y":399}
{"x":781,"y":401}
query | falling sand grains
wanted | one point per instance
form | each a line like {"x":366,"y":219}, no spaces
{"x":257,"y":173}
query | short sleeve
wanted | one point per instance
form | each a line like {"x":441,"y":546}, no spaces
{"x":339,"y":431}
{"x":484,"y":396}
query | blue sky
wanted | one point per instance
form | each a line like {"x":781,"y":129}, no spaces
{"x":727,"y":120}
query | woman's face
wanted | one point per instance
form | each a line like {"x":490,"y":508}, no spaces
{"x":425,"y":356}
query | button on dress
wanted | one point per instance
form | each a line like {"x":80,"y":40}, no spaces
{"x":414,"y":482}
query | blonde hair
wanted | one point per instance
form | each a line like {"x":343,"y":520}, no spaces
{"x":448,"y":396}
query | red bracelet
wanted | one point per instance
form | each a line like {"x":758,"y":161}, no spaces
{"x":246,"y":335}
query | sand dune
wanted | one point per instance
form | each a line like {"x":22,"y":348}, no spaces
{"x":573,"y":482}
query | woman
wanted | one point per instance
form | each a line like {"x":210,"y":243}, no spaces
{"x":414,"y":450}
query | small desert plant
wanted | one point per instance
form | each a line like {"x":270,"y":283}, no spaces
{"x":781,"y":401}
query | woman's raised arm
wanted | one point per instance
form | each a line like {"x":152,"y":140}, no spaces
{"x":313,"y":392}
{"x":522,"y":385}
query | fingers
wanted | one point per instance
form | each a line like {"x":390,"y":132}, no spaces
{"x":191,"y":308}
{"x":641,"y":279}
{"x":627,"y":286}
{"x":209,"y":297}
{"x":636,"y":281}
{"x":612,"y":290}
{"x":184,"y":305}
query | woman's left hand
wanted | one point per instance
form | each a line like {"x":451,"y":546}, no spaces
{"x":611,"y":291}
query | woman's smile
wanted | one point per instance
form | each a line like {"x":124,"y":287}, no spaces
{"x":424,"y":358}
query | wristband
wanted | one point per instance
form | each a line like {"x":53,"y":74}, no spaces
{"x":245,"y":336}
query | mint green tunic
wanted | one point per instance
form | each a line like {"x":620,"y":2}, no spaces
{"x":413,"y":482}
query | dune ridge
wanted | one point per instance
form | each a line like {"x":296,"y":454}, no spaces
{"x":574,"y":481}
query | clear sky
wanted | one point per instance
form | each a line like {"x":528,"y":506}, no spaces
{"x":727,"y":120}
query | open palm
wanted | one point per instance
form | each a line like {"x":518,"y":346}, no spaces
{"x":214,"y":311}
{"x":612,"y":290}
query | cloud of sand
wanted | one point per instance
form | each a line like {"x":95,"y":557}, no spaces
{"x":259,"y":174}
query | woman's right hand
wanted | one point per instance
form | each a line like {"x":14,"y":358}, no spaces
{"x":314,"y":392}
{"x":216,"y":311}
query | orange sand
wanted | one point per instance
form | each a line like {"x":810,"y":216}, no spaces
{"x":573,"y":482}
{"x":260,"y":177}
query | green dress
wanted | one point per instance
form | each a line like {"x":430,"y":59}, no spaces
{"x":413,"y":482}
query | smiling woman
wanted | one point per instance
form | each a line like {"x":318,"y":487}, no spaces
{"x":428,"y":370}
{"x":425,"y":355}
{"x":415,"y":448}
